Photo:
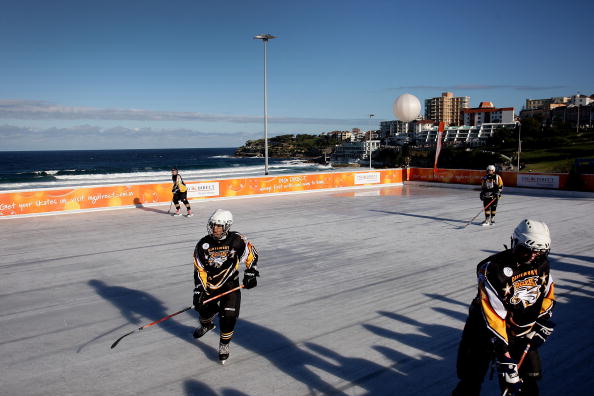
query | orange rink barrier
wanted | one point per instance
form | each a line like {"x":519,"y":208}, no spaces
{"x":17,"y":203}
{"x":510,"y":179}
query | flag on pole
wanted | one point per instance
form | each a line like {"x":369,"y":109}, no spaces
{"x":438,"y":149}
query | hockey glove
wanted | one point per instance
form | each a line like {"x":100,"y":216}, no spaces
{"x":199,"y":296}
{"x":482,"y":196}
{"x":541,"y":330}
{"x":249,"y":278}
{"x":507,"y":368}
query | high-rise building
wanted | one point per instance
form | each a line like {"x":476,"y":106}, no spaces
{"x":446,"y":108}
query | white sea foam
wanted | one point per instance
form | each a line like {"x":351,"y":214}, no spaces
{"x":235,"y":171}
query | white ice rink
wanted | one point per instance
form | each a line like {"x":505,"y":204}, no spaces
{"x":362,"y":292}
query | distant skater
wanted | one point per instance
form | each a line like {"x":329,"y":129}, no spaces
{"x":180,"y":193}
{"x":510,"y":318}
{"x":217,"y":259}
{"x":491,"y":187}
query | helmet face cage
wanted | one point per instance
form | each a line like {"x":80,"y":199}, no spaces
{"x":222,"y":218}
{"x":528,"y":255}
{"x":212,"y":224}
{"x":531,"y":242}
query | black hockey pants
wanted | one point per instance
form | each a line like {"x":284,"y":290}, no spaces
{"x":180,"y":196}
{"x":228,"y":309}
{"x":492,"y":209}
{"x":476,"y":351}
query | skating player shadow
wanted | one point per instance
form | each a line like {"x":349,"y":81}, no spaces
{"x":446,"y":299}
{"x":375,"y":378}
{"x":434,"y":218}
{"x":139,"y":205}
{"x":438,"y":341}
{"x":460,"y":316}
{"x":567,"y":354}
{"x":297,"y":362}
{"x":140,"y":308}
{"x":197,"y":388}
{"x":560,"y":355}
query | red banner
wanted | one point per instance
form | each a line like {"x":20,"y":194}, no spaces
{"x":438,"y":149}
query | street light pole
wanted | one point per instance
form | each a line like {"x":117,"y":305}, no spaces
{"x":265,"y":38}
{"x":577,"y":104}
{"x":369,"y":140}
{"x":519,"y":142}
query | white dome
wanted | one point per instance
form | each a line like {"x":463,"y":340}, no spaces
{"x":406,"y":107}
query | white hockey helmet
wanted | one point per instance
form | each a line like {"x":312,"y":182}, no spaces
{"x":220,"y":217}
{"x":491,"y":168}
{"x":531,"y":239}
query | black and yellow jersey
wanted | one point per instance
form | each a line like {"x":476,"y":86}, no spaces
{"x":217,"y":262}
{"x":491,"y":185}
{"x":512,"y":297}
{"x":179,"y":185}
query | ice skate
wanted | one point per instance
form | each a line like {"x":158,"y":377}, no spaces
{"x":203,"y":329}
{"x":487,"y":222}
{"x":223,"y":352}
{"x":177,"y":213}
{"x":190,"y":214}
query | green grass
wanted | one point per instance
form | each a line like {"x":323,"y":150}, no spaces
{"x":558,"y":159}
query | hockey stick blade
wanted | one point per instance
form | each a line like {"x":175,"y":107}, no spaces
{"x":150,"y":324}
{"x":120,"y":339}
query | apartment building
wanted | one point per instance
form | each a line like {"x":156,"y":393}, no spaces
{"x":487,"y":113}
{"x":474,"y":136}
{"x":534,"y":104}
{"x":340,"y":135}
{"x":446,"y":108}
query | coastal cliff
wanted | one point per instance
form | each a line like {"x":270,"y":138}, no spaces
{"x":289,"y":146}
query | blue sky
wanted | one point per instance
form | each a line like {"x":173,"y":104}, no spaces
{"x":188,"y":73}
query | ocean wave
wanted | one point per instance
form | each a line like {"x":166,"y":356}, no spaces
{"x":26,"y":176}
{"x":86,"y":177}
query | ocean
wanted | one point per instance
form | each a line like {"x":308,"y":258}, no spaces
{"x":67,"y":168}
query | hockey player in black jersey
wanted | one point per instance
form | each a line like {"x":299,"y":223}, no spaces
{"x":217,"y":259}
{"x":491,"y":187}
{"x":512,"y":310}
{"x":180,"y":193}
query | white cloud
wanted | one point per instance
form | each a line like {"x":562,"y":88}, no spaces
{"x":95,"y":137}
{"x":41,"y":110}
{"x":480,"y":87}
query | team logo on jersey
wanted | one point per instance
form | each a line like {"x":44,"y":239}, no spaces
{"x":218,"y":258}
{"x":508,"y":271}
{"x":526,"y":291}
{"x":205,"y":246}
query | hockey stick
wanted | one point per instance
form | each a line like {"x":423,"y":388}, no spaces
{"x":150,"y":324}
{"x":169,"y":210}
{"x":222,"y":294}
{"x":505,"y":392}
{"x":482,"y":210}
{"x":172,"y":315}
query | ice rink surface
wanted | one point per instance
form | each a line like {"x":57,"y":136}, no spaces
{"x":362,"y":292}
